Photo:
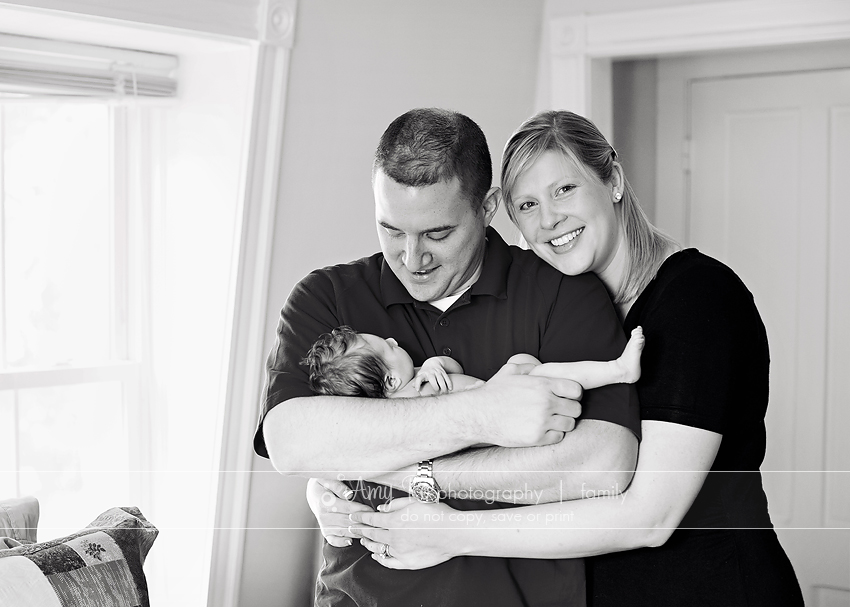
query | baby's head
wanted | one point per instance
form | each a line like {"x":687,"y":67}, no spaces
{"x":345,"y":363}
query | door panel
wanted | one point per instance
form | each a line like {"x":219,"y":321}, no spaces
{"x":838,"y":305}
{"x":770,"y":155}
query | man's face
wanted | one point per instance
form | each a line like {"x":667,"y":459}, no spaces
{"x":431,"y":236}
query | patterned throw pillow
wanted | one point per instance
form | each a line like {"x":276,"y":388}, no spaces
{"x":100,"y":566}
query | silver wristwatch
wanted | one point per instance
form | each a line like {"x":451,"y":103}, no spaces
{"x":423,"y":486}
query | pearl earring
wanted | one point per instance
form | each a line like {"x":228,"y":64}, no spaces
{"x":617,"y":196}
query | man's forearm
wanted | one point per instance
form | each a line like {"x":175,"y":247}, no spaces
{"x":597,"y":458}
{"x":360,"y":436}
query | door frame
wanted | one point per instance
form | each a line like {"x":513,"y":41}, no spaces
{"x":577,"y":49}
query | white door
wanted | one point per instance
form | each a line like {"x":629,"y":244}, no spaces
{"x":770,"y":196}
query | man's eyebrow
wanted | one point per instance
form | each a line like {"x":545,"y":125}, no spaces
{"x":442,"y":228}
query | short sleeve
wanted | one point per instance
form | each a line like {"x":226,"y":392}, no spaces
{"x":695,"y":330}
{"x":584,"y":326}
{"x":309,"y":311}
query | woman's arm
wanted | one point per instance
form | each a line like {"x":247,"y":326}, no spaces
{"x":674,"y":461}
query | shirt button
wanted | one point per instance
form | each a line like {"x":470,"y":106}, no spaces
{"x":447,"y":351}
{"x":444,"y":322}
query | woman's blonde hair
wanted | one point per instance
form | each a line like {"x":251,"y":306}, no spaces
{"x":579,"y":140}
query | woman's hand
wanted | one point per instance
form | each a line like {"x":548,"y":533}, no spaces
{"x":330,"y":502}
{"x":417,"y":535}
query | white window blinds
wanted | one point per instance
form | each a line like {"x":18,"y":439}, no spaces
{"x":37,"y":67}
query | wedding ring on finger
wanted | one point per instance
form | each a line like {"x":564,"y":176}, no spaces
{"x":385,"y":551}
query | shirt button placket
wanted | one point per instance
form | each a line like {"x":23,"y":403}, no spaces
{"x":444,"y":322}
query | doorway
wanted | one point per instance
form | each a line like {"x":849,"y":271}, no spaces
{"x":753,"y":150}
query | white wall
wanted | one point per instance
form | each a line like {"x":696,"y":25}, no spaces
{"x":635,"y":114}
{"x":355,"y":67}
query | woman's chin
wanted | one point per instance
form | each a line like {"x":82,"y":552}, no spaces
{"x":568,"y":263}
{"x":567,"y":260}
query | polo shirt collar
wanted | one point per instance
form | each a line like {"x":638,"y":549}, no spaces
{"x":493,"y":280}
{"x":392,"y":291}
{"x":494,"y":275}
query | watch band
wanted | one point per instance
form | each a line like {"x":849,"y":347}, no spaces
{"x":423,"y":486}
{"x":426,"y":468}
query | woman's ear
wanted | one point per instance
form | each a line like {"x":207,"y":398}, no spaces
{"x":618,"y":182}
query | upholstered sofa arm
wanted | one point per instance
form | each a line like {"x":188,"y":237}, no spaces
{"x":18,"y":521}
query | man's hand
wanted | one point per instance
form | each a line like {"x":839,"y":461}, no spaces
{"x":330,"y":502}
{"x":525,"y":411}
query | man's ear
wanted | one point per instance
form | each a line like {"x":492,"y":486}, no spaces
{"x":491,"y":204}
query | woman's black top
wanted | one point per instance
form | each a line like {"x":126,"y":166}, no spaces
{"x":705,"y":365}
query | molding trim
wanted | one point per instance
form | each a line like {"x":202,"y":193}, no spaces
{"x":577,"y":39}
{"x":245,"y":373}
{"x":277,"y":22}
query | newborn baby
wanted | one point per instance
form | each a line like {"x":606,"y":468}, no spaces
{"x":346,"y":363}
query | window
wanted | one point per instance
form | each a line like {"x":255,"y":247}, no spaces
{"x":67,"y":388}
{"x":120,"y":221}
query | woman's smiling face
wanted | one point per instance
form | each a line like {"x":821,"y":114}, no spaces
{"x":567,"y":215}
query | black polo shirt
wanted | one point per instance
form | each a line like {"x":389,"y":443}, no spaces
{"x":519,"y":304}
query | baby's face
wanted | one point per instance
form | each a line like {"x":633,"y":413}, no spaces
{"x":398,"y":361}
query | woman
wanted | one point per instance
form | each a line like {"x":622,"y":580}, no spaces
{"x":679,"y":535}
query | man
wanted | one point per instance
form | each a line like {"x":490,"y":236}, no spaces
{"x":445,"y":283}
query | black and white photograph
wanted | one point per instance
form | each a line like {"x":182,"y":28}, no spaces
{"x":255,"y":254}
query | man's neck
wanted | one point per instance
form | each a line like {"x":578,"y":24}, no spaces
{"x":444,"y":303}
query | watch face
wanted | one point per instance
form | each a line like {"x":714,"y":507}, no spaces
{"x":424,"y":492}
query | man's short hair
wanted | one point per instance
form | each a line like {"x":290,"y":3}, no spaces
{"x":336,"y":370}
{"x":429,"y":145}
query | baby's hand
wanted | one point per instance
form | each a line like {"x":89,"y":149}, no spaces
{"x":435,"y":375}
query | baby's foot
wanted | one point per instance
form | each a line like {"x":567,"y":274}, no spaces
{"x":629,"y":361}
